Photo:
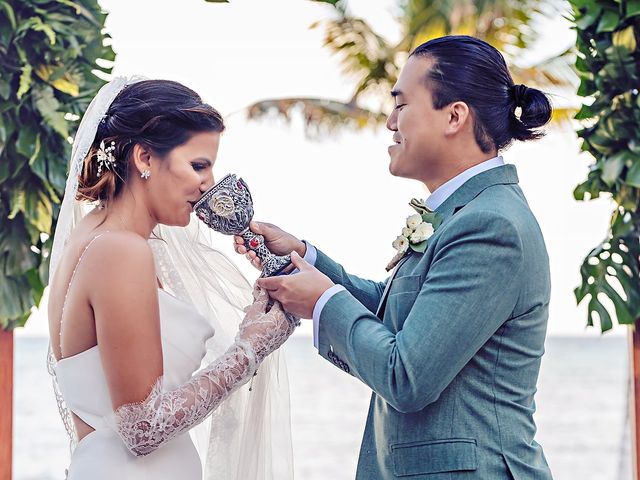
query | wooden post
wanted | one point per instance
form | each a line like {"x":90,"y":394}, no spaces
{"x":634,"y":404}
{"x":6,"y":403}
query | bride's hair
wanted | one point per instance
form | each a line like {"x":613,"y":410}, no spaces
{"x":158,"y":114}
{"x":470,"y":70}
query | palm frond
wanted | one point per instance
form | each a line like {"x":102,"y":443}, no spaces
{"x":553,"y":72}
{"x":359,"y":47}
{"x":321,"y":116}
{"x":503,"y":23}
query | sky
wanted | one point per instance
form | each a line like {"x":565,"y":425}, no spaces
{"x":336,"y":192}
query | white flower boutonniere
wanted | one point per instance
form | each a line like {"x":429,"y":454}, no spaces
{"x":414,"y":220}
{"x":401,"y":244}
{"x":415,"y":235}
{"x":422,"y":232}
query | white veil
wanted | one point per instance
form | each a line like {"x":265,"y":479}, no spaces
{"x":249,"y":435}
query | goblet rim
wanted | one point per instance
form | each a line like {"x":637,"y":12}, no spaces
{"x":213,"y":188}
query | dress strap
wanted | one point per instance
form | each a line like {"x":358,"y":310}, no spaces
{"x":64,"y":302}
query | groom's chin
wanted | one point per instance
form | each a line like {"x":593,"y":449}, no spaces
{"x":394,"y":168}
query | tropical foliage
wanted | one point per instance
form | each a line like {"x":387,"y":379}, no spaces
{"x":373,"y":62}
{"x":609,"y":67}
{"x":52,"y":56}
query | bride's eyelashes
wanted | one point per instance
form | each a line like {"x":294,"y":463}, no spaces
{"x":197,"y":166}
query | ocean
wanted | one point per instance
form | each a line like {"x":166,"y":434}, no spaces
{"x":582,"y":412}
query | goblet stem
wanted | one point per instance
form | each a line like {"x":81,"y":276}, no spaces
{"x":271,"y":264}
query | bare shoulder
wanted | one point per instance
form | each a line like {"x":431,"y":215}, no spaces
{"x":121,"y":254}
{"x":122,"y":244}
{"x":120,"y":273}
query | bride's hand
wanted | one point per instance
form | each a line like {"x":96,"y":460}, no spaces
{"x":265,"y":327}
{"x":276,"y":240}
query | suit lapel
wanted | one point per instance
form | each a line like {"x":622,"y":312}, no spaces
{"x":506,"y":174}
{"x":385,"y":293}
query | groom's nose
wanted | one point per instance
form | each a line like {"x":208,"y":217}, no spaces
{"x":392,"y":120}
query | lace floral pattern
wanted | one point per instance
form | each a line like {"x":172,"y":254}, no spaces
{"x":145,"y":426}
{"x":65,"y":413}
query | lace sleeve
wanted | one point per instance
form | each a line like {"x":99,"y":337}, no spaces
{"x":145,"y":426}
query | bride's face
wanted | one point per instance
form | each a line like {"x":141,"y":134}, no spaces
{"x":180,"y":179}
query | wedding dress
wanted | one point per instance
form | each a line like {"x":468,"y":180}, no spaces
{"x":102,"y":454}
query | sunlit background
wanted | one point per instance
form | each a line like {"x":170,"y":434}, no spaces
{"x":336,"y":192}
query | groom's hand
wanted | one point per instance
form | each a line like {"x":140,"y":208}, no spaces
{"x":276,"y":240}
{"x":297,"y":292}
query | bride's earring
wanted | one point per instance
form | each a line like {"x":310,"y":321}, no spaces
{"x":146,"y":173}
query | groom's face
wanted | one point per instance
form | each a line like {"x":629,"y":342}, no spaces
{"x":418,"y":128}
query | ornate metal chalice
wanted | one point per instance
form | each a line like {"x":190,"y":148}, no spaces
{"x":227,"y":208}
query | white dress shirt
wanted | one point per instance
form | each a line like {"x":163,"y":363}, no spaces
{"x":434,"y":200}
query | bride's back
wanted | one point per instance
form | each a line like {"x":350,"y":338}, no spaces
{"x":68,"y":293}
{"x":72,"y":319}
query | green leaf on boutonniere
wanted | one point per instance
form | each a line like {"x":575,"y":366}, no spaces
{"x":433,"y":218}
{"x":419,"y":206}
{"x":419,"y":247}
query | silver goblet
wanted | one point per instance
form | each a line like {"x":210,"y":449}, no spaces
{"x":227,"y":208}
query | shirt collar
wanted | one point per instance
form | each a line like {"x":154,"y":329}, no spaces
{"x":445,"y":190}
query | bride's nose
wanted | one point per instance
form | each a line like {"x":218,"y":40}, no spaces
{"x":207,"y":182}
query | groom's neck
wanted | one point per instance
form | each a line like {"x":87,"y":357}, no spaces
{"x":455,"y":160}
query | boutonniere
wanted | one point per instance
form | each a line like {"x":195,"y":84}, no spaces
{"x":416,"y":233}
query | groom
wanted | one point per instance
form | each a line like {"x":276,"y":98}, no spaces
{"x":451,"y":343}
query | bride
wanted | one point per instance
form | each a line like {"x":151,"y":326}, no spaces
{"x":146,"y":335}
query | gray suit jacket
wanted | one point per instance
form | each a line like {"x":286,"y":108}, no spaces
{"x":453,"y":357}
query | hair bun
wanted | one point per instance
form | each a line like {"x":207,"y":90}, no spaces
{"x":535,"y":112}
{"x":519,"y":93}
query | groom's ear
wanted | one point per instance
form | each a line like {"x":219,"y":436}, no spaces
{"x":459,"y":118}
{"x":141,"y":156}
